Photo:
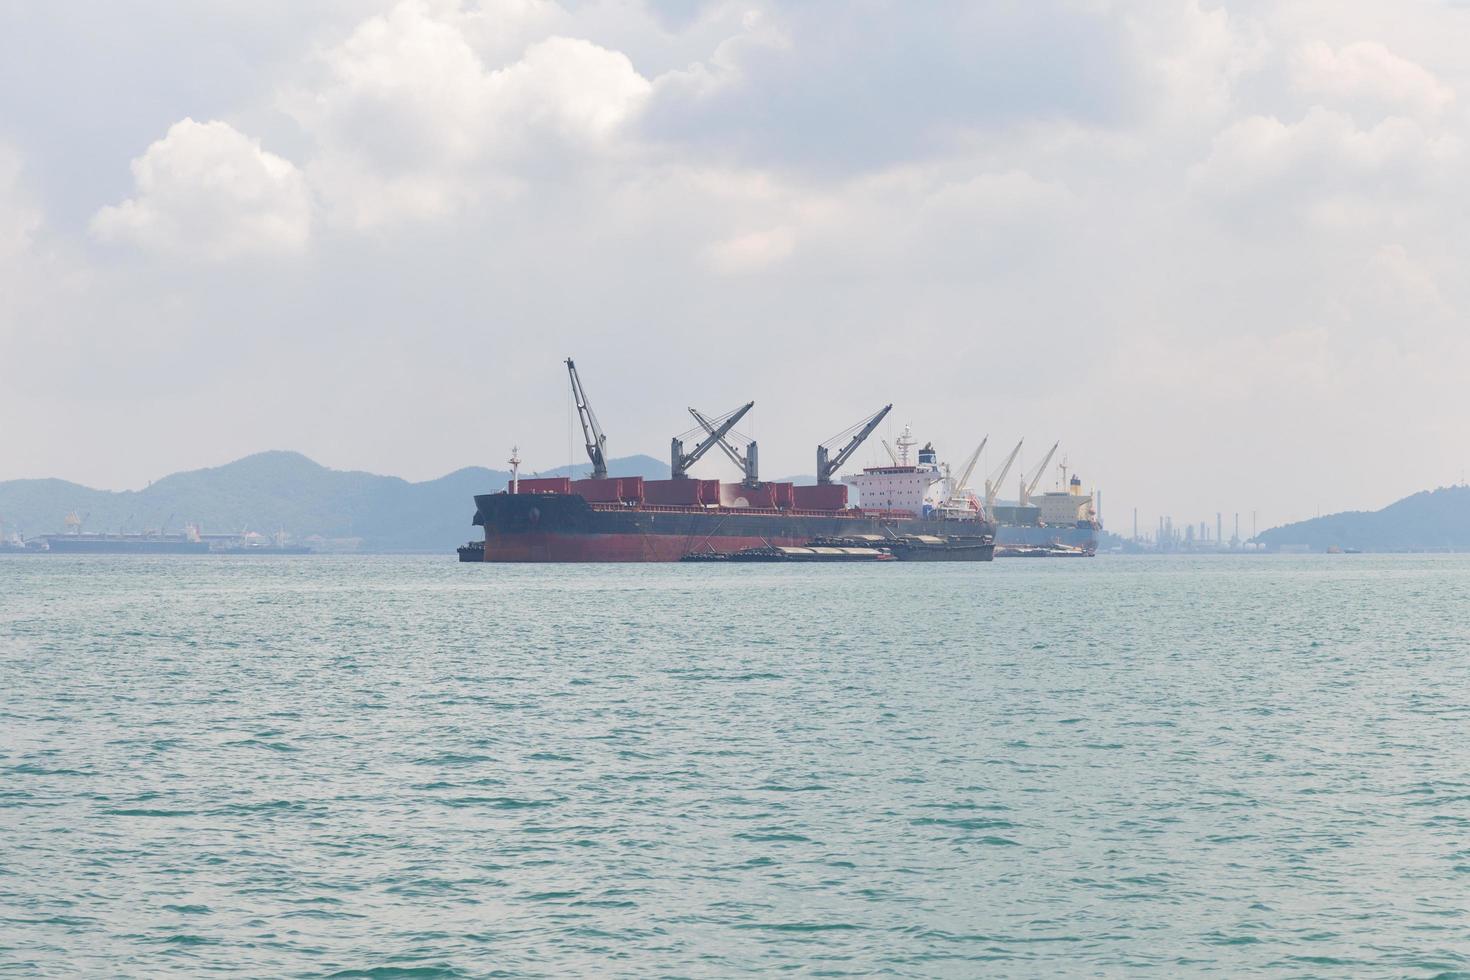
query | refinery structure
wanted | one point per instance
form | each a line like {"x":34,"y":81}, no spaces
{"x":914,"y":507}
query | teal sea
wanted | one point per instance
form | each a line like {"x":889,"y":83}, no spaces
{"x":389,"y":767}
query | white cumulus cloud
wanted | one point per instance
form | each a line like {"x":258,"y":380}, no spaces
{"x":1367,"y":75}
{"x":413,"y":120}
{"x":1324,"y":151}
{"x":206,"y":188}
{"x":578,"y":89}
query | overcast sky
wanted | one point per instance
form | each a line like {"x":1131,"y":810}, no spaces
{"x":1218,"y":249}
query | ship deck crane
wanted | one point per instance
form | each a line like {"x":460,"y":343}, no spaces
{"x":1027,"y":489}
{"x":889,"y":450}
{"x":591,"y":431}
{"x":958,"y":487}
{"x":715,"y":431}
{"x":828,"y":465}
{"x":748,"y":461}
{"x":998,"y":479}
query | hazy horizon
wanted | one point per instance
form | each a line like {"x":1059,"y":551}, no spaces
{"x":1212,"y":248}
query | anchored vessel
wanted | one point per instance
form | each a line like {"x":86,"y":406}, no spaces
{"x":124,"y":544}
{"x":189,"y":541}
{"x":605,"y":518}
{"x":1064,"y":519}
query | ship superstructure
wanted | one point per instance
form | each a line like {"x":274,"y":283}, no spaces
{"x":1067,"y":506}
{"x":925,"y":489}
{"x":915,"y":488}
{"x":1065,"y":518}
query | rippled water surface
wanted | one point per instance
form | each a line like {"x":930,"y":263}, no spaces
{"x":406,"y":766}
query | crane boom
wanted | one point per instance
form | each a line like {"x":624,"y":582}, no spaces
{"x":1027,"y":489}
{"x":964,"y":479}
{"x":749,"y":461}
{"x":826,"y":467}
{"x":992,"y":487}
{"x":591,"y":431}
{"x":889,"y":449}
{"x":680,"y":461}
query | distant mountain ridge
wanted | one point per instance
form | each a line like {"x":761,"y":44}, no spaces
{"x":281,"y":490}
{"x":1432,"y":520}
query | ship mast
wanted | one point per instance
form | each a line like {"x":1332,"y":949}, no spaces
{"x":906,"y":441}
{"x":515,"y":469}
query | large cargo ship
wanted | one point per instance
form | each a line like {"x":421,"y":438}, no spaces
{"x":124,"y":544}
{"x":1064,"y":519}
{"x":1056,"y":519}
{"x":631,"y":519}
{"x":189,"y":541}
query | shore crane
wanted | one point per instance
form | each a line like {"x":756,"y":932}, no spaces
{"x":998,"y":479}
{"x":827,"y":466}
{"x":1027,"y":489}
{"x":591,"y":431}
{"x":715,"y":431}
{"x":748,"y":461}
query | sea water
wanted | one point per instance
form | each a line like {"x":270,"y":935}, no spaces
{"x":383,"y":766}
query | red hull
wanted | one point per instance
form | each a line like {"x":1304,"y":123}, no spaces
{"x":551,"y":547}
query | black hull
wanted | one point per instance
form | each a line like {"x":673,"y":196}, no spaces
{"x":951,"y":552}
{"x":564,"y":527}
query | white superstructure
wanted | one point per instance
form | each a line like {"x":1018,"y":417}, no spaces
{"x":922,"y":489}
{"x":1067,"y":506}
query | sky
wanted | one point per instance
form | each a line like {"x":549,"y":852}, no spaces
{"x":1216,"y":249}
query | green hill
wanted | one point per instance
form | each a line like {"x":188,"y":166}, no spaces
{"x":281,"y":491}
{"x":1433,"y":520}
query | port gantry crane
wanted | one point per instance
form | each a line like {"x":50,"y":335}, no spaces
{"x":715,"y":431}
{"x":748,"y":461}
{"x":591,"y":431}
{"x":1027,"y":489}
{"x":998,"y":479}
{"x":827,"y":466}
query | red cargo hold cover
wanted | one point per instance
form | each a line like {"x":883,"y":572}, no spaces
{"x":630,"y":489}
{"x":604,"y":491}
{"x":739,"y":495}
{"x":671,"y":493}
{"x":830,"y":496}
{"x":546,"y":484}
